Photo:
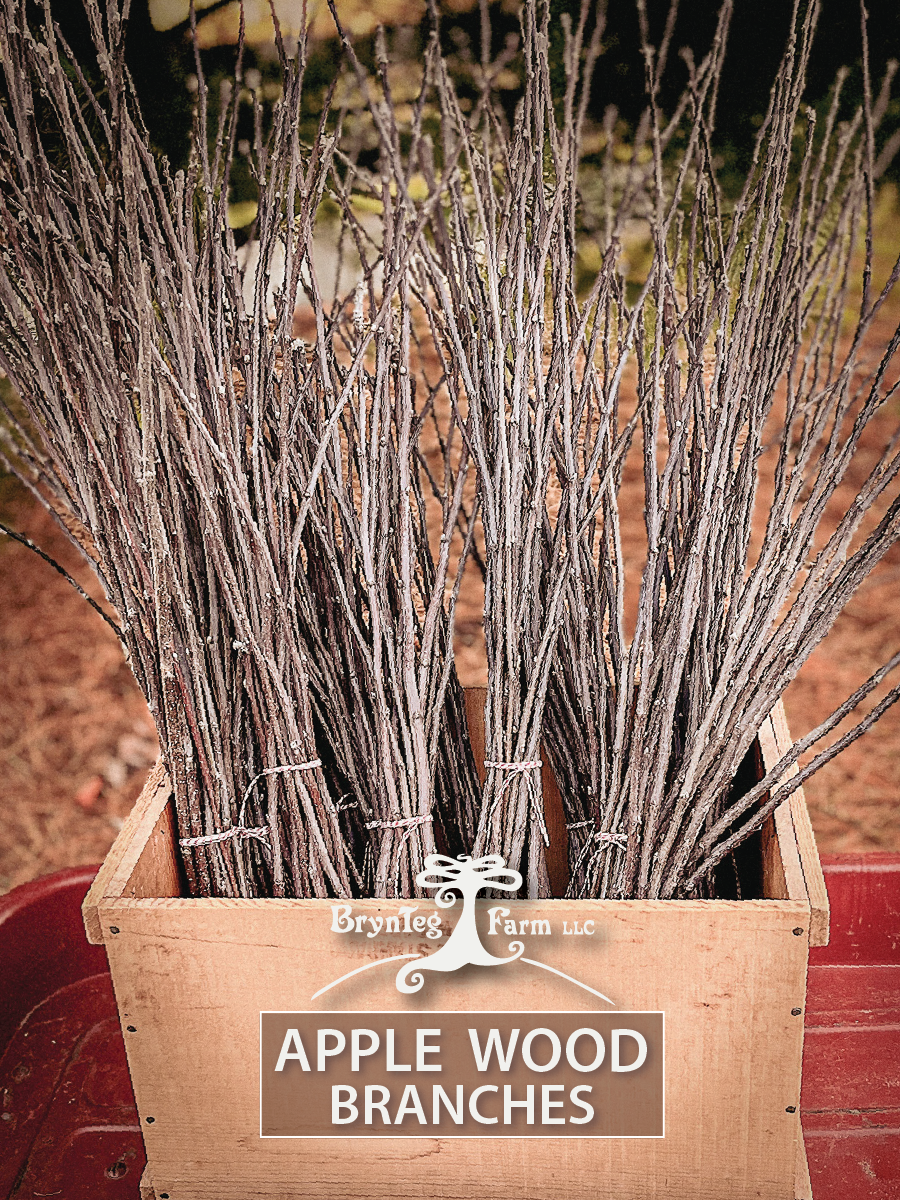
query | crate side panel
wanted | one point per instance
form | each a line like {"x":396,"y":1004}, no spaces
{"x":774,"y":881}
{"x":795,"y":884}
{"x":813,"y":875}
{"x":789,"y":853}
{"x":192,"y":977}
{"x":139,"y":830}
{"x":156,"y":872}
{"x":812,"y":870}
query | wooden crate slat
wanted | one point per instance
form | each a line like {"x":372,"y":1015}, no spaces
{"x":802,"y":1183}
{"x":129,"y":848}
{"x":813,"y":876}
{"x":146,"y":1186}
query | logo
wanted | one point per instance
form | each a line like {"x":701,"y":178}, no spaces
{"x":464,"y":947}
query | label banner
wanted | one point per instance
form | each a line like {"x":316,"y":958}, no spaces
{"x":461,"y":1074}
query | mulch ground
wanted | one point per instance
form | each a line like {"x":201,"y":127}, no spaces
{"x":76,"y":739}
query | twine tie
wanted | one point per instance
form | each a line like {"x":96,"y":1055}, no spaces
{"x":241,"y":831}
{"x":601,"y":835}
{"x":521,"y":768}
{"x":408,"y":823}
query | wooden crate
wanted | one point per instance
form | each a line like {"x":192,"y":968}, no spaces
{"x":191,"y":977}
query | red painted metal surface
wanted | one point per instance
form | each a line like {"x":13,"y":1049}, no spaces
{"x":68,"y":1126}
{"x":850,"y":1105}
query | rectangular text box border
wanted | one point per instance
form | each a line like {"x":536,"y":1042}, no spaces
{"x":462,"y":1137}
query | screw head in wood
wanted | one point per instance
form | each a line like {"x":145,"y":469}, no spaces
{"x":791,"y":1108}
{"x":796,"y":932}
{"x":113,"y":929}
{"x":131,"y":1028}
{"x":795,"y":1012}
{"x":149,"y":1120}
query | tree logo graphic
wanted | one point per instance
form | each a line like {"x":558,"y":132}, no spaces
{"x":469,"y":876}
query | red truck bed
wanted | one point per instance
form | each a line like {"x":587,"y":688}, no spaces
{"x":851,"y":1070}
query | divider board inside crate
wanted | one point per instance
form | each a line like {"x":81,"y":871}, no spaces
{"x":191,"y":977}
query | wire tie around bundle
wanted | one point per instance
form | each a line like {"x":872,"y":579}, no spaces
{"x":241,"y":831}
{"x":403,"y":823}
{"x":601,"y":835}
{"x":520,"y":768}
{"x":407,"y":824}
{"x":618,"y":839}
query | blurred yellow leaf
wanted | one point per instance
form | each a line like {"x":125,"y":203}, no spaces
{"x":589,"y":256}
{"x":242,"y":213}
{"x":367,"y":204}
{"x":506,"y":80}
{"x":418,"y":188}
{"x":165,"y":14}
{"x":359,"y":17}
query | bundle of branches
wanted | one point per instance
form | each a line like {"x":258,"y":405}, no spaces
{"x":752,"y":347}
{"x":499,"y":270}
{"x":748,"y":338}
{"x":255,"y":512}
